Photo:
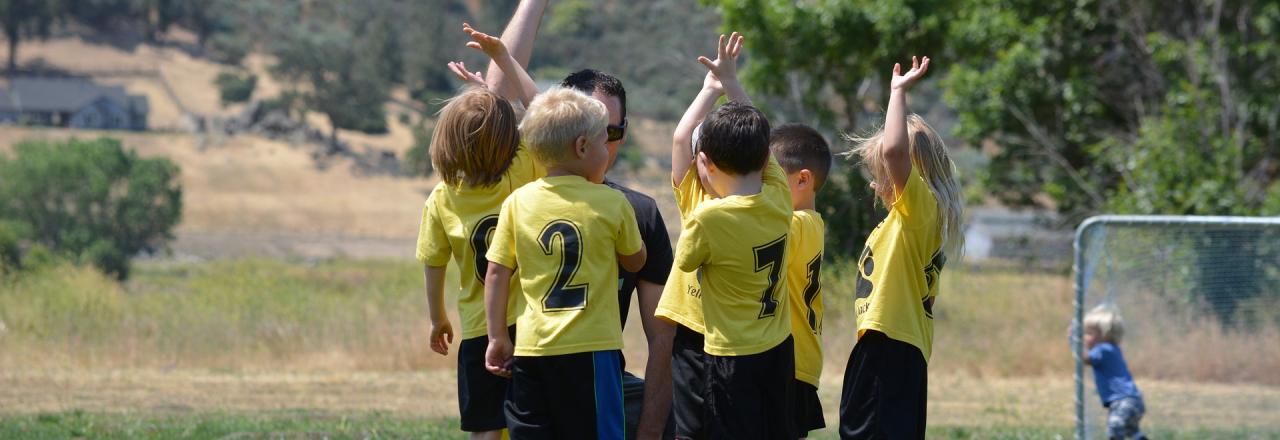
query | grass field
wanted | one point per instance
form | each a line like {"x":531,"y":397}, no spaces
{"x":297,"y":349}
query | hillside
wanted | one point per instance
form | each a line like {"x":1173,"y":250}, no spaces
{"x":249,"y":195}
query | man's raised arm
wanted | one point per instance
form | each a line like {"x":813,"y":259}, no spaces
{"x":518,"y":37}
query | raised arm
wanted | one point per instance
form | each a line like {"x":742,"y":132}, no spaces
{"x":895,"y":148}
{"x":713,"y":86}
{"x":497,"y":51}
{"x":518,"y":37}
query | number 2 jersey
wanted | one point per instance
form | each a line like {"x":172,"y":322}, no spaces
{"x":900,"y":269}
{"x":804,"y":289}
{"x":563,"y":234}
{"x":738,"y":245}
{"x":458,"y":222}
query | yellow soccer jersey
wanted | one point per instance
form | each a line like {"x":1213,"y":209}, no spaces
{"x":458,"y":222}
{"x":804,"y":266}
{"x":564,"y":233}
{"x":739,"y":243}
{"x":681,"y":300}
{"x":900,"y":268}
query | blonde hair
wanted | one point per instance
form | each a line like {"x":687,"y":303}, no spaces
{"x":475,"y":139}
{"x":1106,"y":321}
{"x":555,"y":120}
{"x":929,"y":158}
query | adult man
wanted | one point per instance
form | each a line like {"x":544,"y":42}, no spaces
{"x":519,"y":36}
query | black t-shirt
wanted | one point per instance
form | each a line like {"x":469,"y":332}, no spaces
{"x":653,"y":231}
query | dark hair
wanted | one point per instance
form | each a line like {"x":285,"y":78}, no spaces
{"x":591,"y":80}
{"x":735,"y":137}
{"x":798,"y":147}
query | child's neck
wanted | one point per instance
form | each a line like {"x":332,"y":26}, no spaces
{"x":743,"y":185}
{"x":562,"y":170}
{"x":803,"y":202}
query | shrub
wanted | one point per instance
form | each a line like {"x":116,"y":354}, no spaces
{"x":235,"y":88}
{"x":91,"y":201}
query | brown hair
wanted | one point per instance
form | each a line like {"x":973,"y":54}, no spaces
{"x":799,"y":147}
{"x":475,"y":139}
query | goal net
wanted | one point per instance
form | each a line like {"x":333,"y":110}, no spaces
{"x":1200,"y":302}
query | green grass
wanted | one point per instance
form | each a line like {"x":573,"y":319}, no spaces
{"x":300,"y":424}
{"x":271,"y":425}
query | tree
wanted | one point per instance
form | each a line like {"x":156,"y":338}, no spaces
{"x":91,"y":200}
{"x":345,"y":83}
{"x":23,"y":18}
{"x":1083,"y":107}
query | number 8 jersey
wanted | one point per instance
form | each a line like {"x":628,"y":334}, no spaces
{"x":738,"y":246}
{"x":458,"y":222}
{"x":563,"y":234}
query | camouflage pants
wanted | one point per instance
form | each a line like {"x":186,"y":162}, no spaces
{"x":1123,"y":417}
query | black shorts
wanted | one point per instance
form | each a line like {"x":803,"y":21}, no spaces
{"x":808,"y":409}
{"x":752,"y":396}
{"x":884,"y":393}
{"x":688,"y":363}
{"x":480,"y":393}
{"x":576,"y":396}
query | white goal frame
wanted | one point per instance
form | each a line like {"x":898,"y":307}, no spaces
{"x":1080,"y":277}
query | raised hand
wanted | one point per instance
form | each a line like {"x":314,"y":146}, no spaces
{"x":903,"y":82}
{"x":459,"y":69}
{"x":725,"y":66}
{"x":490,"y":45}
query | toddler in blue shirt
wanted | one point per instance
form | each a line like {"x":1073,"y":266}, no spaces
{"x":1103,"y":329}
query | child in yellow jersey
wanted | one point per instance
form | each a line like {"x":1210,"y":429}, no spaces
{"x":475,"y":151}
{"x":567,"y":234}
{"x":885,"y":382}
{"x":734,"y":241}
{"x":805,"y":156}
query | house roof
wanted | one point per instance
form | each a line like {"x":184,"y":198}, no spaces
{"x":62,"y":95}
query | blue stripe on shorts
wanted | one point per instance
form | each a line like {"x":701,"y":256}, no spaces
{"x":608,"y":386}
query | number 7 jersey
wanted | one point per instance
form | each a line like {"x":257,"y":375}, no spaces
{"x":738,"y":246}
{"x":563,"y":234}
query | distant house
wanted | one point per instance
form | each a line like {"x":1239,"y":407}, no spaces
{"x":70,"y":102}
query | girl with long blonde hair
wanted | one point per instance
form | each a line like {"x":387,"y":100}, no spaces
{"x":885,"y":382}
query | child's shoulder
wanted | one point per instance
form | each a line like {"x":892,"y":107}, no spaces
{"x":807,"y":221}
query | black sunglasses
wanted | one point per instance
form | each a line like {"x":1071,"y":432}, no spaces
{"x":616,"y":132}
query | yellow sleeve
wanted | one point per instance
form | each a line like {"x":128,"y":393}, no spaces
{"x":917,"y":204}
{"x":627,"y":240}
{"x":433,"y":243}
{"x":690,"y":192}
{"x":691,"y":250}
{"x":503,"y":248}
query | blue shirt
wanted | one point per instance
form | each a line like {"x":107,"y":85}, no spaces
{"x":1111,"y":374}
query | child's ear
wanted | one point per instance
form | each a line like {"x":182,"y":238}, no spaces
{"x":706,"y":163}
{"x":806,"y":178}
{"x":580,"y":146}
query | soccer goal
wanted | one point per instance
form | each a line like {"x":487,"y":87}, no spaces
{"x":1200,"y":300}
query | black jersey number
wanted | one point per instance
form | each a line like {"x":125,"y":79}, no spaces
{"x":769,"y":257}
{"x":561,"y":295}
{"x":481,"y":237}
{"x":811,"y":291}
